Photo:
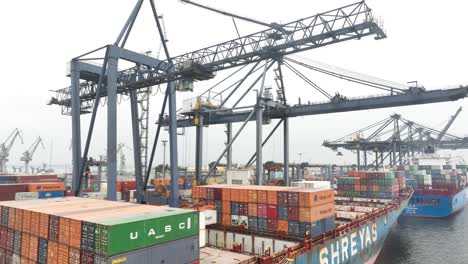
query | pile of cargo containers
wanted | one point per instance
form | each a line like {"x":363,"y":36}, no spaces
{"x":288,"y":211}
{"x":77,"y":230}
{"x":27,"y":187}
{"x":371,"y":184}
{"x":443,"y":178}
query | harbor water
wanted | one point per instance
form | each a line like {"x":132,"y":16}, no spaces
{"x":427,"y":241}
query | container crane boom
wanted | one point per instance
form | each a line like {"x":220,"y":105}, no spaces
{"x":350,"y":22}
{"x":445,"y":129}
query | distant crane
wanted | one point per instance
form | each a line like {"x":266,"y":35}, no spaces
{"x":123,"y":163}
{"x":28,"y":154}
{"x":6,"y":146}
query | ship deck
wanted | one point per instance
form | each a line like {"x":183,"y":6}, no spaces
{"x":351,"y":213}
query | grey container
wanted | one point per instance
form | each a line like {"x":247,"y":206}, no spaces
{"x":181,"y":251}
{"x":17,"y":243}
{"x":253,"y":224}
{"x":42,"y":251}
{"x":283,"y":212}
{"x":4,"y":216}
{"x":262,"y":224}
{"x":294,"y":229}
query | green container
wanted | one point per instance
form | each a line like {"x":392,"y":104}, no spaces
{"x":116,"y":236}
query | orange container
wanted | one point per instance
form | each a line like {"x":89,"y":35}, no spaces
{"x":25,"y":245}
{"x":316,"y":213}
{"x":311,"y":198}
{"x":226,"y":220}
{"x":283,"y":226}
{"x":196,"y":192}
{"x":262,"y":196}
{"x":52,"y":252}
{"x":272,"y":197}
{"x":35,"y":218}
{"x":46,"y":186}
{"x":43,"y":226}
{"x":226,"y":194}
{"x":202,"y":192}
{"x":18,"y":220}
{"x":235,"y":195}
{"x":253,"y":209}
{"x":226,"y":207}
{"x":64,"y":231}
{"x":252,"y":196}
{"x":357,"y":187}
{"x":375,"y":188}
{"x":75,"y":233}
{"x":26,"y":225}
{"x":244,"y":195}
{"x":33,"y":247}
{"x":63,"y":254}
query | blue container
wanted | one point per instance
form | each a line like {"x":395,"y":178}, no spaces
{"x":219,"y":206}
{"x":253,"y":224}
{"x":235,"y":208}
{"x":283,"y":212}
{"x":52,"y":194}
{"x":294,"y":229}
{"x":329,"y":223}
{"x":7,"y":179}
{"x":262,"y":224}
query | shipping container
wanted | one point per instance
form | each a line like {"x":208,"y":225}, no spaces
{"x":36,"y":178}
{"x":22,"y":196}
{"x":185,"y":250}
{"x":311,"y":198}
{"x":316,"y":213}
{"x":8,"y":191}
{"x":46,"y":186}
{"x":51,"y":194}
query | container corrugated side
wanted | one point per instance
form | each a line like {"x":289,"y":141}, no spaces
{"x":119,"y":236}
{"x":185,"y":250}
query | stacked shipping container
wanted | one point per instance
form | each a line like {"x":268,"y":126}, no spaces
{"x":288,"y":211}
{"x":371,"y":184}
{"x":77,"y":230}
{"x":25,"y":188}
{"x":436,"y":179}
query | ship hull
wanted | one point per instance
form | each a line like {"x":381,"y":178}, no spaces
{"x":359,"y":246}
{"x":442,"y":206}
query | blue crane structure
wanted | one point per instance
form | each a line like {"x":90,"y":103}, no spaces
{"x":90,"y":83}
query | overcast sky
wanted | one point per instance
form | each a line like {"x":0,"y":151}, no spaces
{"x":425,"y":43}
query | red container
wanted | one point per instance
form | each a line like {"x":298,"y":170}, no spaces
{"x":262,"y":210}
{"x":218,"y":194}
{"x":293,"y":213}
{"x":3,"y":237}
{"x":87,"y":257}
{"x":272,"y":225}
{"x":36,"y":178}
{"x":272,"y":211}
{"x":8,"y":191}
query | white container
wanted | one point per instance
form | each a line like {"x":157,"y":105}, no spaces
{"x":22,"y":196}
{"x":312,"y":184}
{"x":207,"y":217}
{"x":242,"y":177}
{"x":203,"y":235}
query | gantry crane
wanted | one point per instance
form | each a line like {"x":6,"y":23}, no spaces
{"x":394,"y":140}
{"x":90,"y":82}
{"x":28,"y":154}
{"x":6,"y":146}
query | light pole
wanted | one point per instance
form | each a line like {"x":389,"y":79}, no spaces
{"x":164,"y":141}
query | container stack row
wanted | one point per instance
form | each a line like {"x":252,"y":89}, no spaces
{"x":288,"y":211}
{"x":27,"y":187}
{"x":77,"y":230}
{"x":436,"y":178}
{"x":371,"y":184}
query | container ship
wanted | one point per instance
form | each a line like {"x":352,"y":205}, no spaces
{"x":440,"y":190}
{"x":270,"y":224}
